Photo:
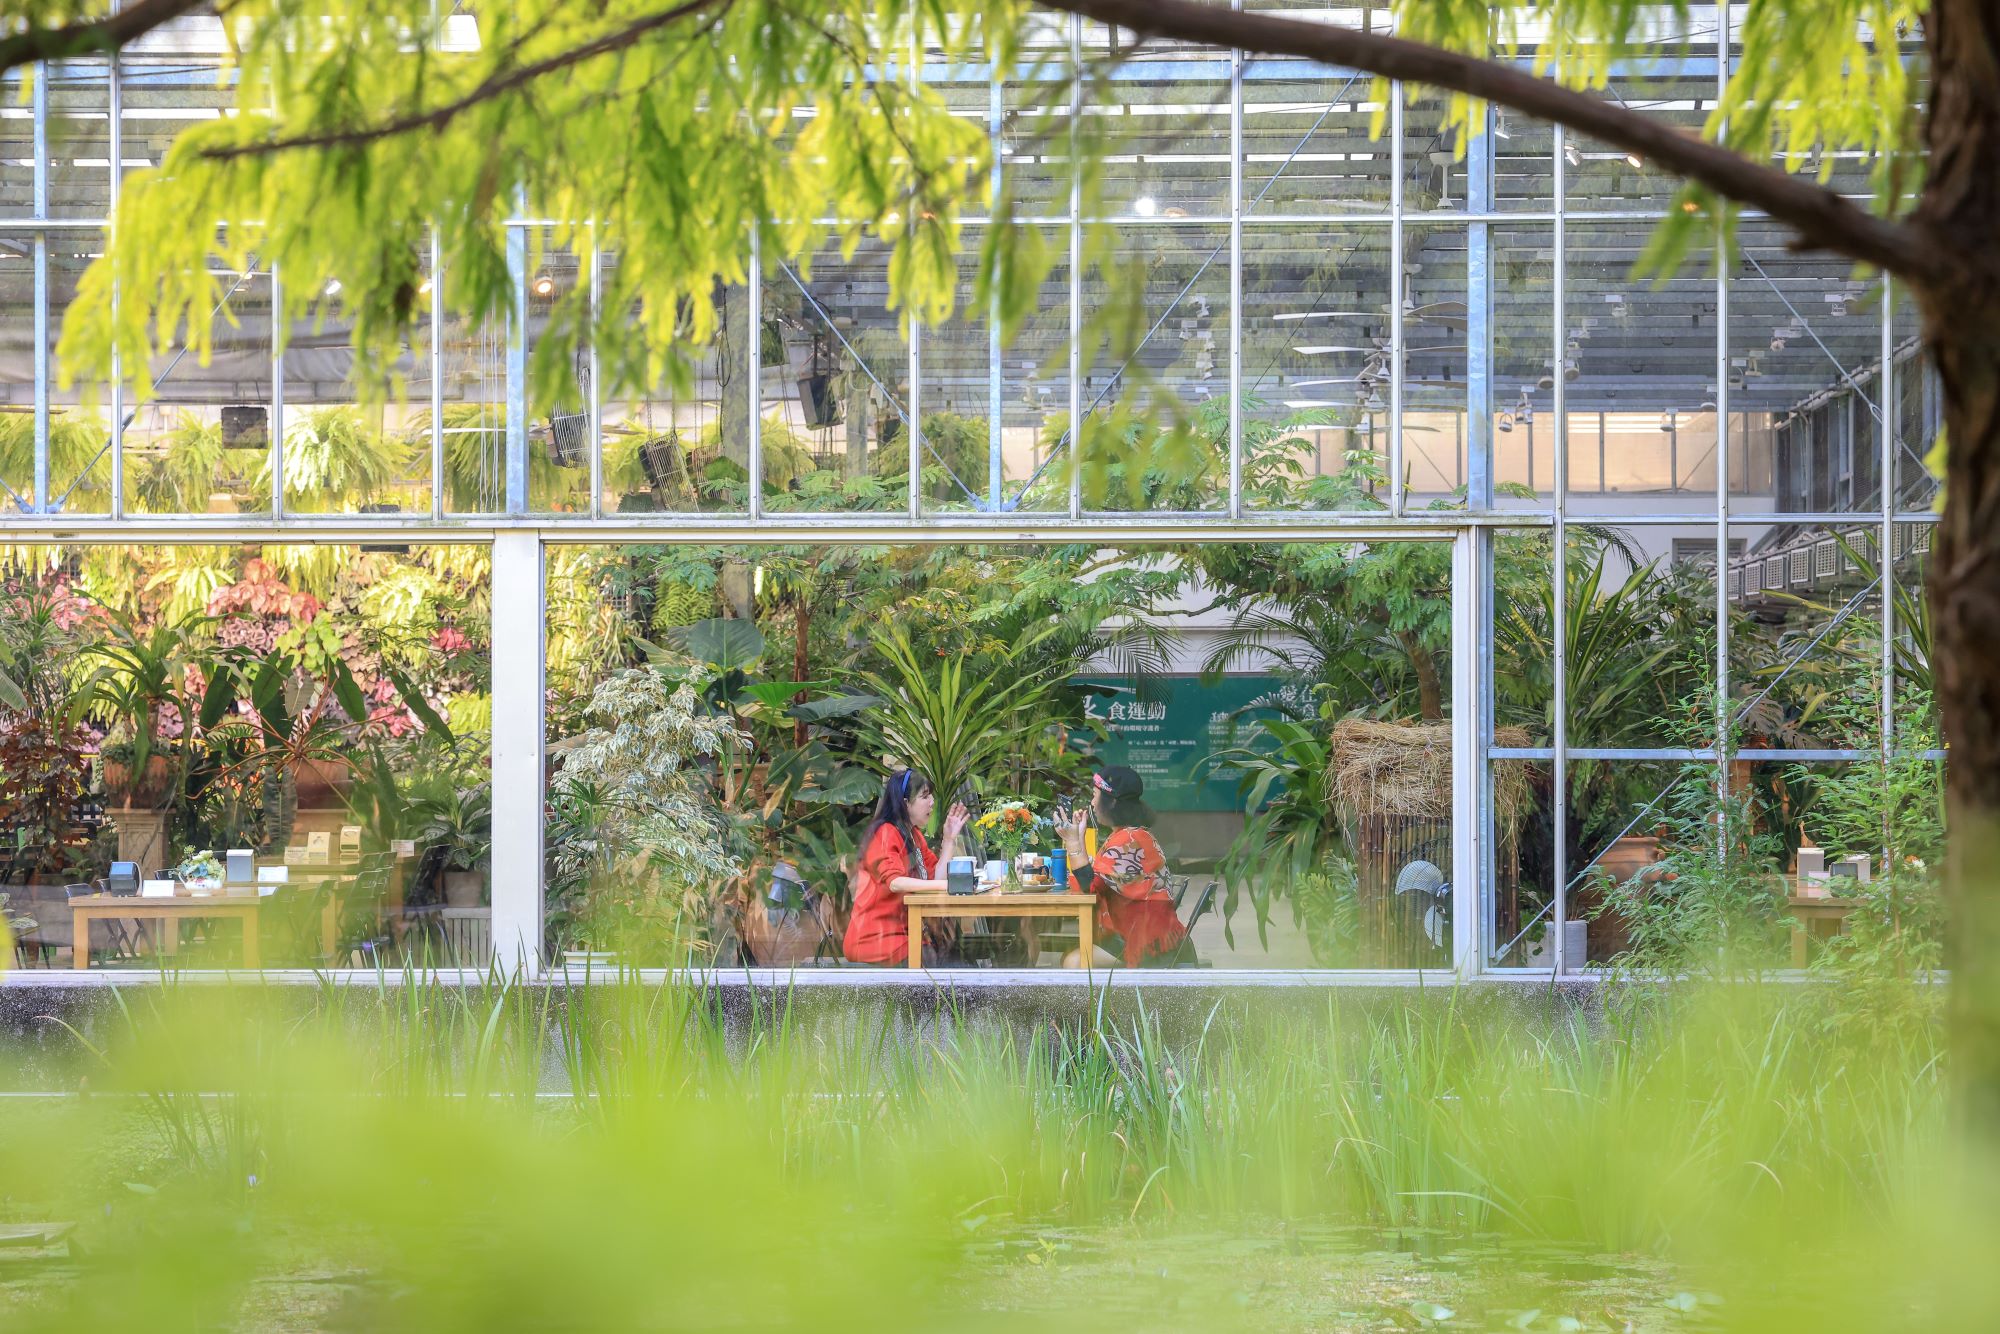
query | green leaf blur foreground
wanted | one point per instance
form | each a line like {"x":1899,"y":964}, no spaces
{"x":618,"y":1157}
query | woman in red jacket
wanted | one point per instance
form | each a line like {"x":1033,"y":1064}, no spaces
{"x":896,"y":860}
{"x":1135,"y":914}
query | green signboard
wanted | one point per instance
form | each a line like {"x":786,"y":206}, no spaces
{"x":1167,"y":727}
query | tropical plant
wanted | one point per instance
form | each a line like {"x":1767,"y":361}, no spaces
{"x":146,"y":688}
{"x":1284,"y":780}
{"x":1711,"y":905}
{"x":645,"y":848}
{"x":949,"y":722}
{"x":954,"y":456}
{"x":455,"y":825}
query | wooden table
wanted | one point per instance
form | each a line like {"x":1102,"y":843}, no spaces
{"x":244,"y":907}
{"x":994,"y":904}
{"x":1808,"y":909}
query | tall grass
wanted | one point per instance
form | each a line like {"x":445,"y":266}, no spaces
{"x":496,"y":1152}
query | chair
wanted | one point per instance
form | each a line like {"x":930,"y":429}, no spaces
{"x":1177,"y":888}
{"x":123,"y":942}
{"x":1203,"y":902}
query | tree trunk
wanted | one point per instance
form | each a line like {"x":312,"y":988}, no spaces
{"x":801,"y":624}
{"x":1961,"y":328}
{"x":1430,"y":686}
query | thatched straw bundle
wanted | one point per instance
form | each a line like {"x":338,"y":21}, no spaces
{"x":1404,"y":769}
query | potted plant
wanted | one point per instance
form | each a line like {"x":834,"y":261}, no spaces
{"x":201,"y":872}
{"x":459,"y":824}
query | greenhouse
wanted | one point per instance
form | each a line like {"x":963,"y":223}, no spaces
{"x":1346,"y":498}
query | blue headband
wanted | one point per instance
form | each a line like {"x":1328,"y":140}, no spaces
{"x":906,"y":783}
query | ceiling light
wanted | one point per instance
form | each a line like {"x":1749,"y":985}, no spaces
{"x":1500,"y":126}
{"x":424,"y":287}
{"x":545,"y":285}
{"x":332,"y":287}
{"x":1777,"y":345}
{"x":1690,"y":206}
{"x":1506,"y":423}
{"x":1667,"y":420}
{"x":1145,"y":206}
{"x":1572,"y":156}
{"x":1634,"y":161}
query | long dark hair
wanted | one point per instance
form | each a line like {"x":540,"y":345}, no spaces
{"x":894,"y":810}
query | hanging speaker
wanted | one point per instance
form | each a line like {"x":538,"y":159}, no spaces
{"x":246,"y":427}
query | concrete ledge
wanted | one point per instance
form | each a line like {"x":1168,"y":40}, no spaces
{"x":39,"y":1009}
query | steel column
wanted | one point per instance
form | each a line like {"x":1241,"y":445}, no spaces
{"x":1236,"y":279}
{"x":519,"y":652}
{"x":517,"y":372}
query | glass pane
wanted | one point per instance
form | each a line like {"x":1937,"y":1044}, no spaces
{"x":1804,"y":344}
{"x":836,"y":387}
{"x":663,"y":422}
{"x":1436,"y":325}
{"x":1640,"y":360}
{"x":1165,"y":124}
{"x":1156,"y":352}
{"x":80,"y":139}
{"x":787,"y":798}
{"x":1641,"y":644}
{"x":1034,"y":392}
{"x":287,"y":834}
{"x":1034,"y":141}
{"x":1521,"y":398}
{"x":1315,"y":366}
{"x":79,"y":430}
{"x":958,"y":371}
{"x":201,"y":442}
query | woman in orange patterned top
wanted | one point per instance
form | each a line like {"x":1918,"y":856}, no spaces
{"x":1135,"y":914}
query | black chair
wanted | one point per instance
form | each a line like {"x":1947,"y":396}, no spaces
{"x":1203,"y":902}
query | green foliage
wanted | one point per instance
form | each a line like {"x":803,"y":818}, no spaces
{"x":334,"y":460}
{"x":1285,"y":780}
{"x":951,"y":724}
{"x":1712,"y":905}
{"x":444,"y":1149}
{"x":644,"y":847}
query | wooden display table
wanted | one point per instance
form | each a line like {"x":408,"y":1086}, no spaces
{"x":992,"y":903}
{"x":246,"y":908}
{"x":1815,"y":910}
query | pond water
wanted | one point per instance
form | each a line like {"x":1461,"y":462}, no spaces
{"x":1279,"y":1277}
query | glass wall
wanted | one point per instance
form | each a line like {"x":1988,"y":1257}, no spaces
{"x":1680,"y":505}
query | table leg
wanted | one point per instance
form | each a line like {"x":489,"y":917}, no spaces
{"x":916,"y":936}
{"x":79,"y":938}
{"x":328,"y":928}
{"x":1800,"y":933}
{"x":250,"y":958}
{"x":1086,"y":937}
{"x":170,"y":935}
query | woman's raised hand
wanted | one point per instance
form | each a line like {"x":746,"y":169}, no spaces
{"x":954,"y":820}
{"x":1072,"y":837}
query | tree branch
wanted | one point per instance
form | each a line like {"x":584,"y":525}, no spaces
{"x":439,"y":117}
{"x":1822,"y":218}
{"x":89,"y":39}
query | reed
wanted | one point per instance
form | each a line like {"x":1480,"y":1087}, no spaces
{"x":472,"y":1149}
